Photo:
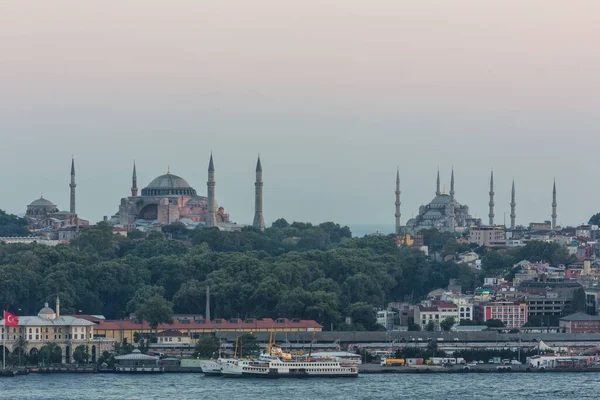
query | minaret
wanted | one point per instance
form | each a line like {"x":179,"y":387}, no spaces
{"x":57,"y":307}
{"x":452,"y":184}
{"x":397,"y":215}
{"x":211,"y":217}
{"x":72,"y":186}
{"x":259,"y":221}
{"x":491,"y":204}
{"x":554,"y":205}
{"x":134,"y":188}
{"x":513,"y":215}
{"x":437,"y":190}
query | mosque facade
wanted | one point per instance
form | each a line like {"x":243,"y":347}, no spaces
{"x":444,"y":213}
{"x":43,"y":215}
{"x":170,"y":198}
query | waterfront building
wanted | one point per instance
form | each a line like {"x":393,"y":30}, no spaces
{"x":125,"y":329}
{"x":67,"y":332}
{"x":579,"y":323}
{"x":512,"y":314}
{"x":444,"y":213}
{"x":173,"y":336}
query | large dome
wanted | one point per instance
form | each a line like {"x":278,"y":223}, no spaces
{"x":42,"y":202}
{"x":441,"y":199}
{"x":168,"y":185}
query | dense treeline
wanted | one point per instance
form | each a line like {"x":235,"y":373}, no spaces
{"x":11,"y":225}
{"x":291,"y":270}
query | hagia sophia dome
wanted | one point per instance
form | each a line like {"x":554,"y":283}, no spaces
{"x":168,"y":185}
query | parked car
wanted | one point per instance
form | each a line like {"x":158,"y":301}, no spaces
{"x":515,"y":362}
{"x":480,"y":362}
{"x":491,"y":361}
{"x":472,"y":364}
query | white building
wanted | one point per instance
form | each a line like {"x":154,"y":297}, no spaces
{"x":386,"y":319}
{"x":67,"y":332}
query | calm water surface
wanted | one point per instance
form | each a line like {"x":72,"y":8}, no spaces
{"x":389,"y":386}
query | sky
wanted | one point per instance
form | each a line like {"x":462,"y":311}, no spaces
{"x":333,"y":94}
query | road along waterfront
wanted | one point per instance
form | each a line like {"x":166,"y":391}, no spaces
{"x":377,"y":386}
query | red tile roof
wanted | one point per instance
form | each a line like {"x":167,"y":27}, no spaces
{"x":265,"y":323}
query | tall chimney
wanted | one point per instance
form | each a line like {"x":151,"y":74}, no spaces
{"x":57,"y":307}
{"x":207,"y":316}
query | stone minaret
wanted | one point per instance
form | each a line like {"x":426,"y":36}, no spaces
{"x":72,"y":186}
{"x":259,"y":221}
{"x":57,"y":307}
{"x":452,"y":184}
{"x":134,"y":188}
{"x":554,"y":205}
{"x":211,"y":217}
{"x":513,"y":214}
{"x":491,"y":204}
{"x":437,"y":190}
{"x":397,"y":215}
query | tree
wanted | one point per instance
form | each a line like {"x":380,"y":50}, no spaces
{"x":249,"y":344}
{"x":363,"y":315}
{"x":430,"y":327}
{"x":11,"y":225}
{"x":206,"y":346}
{"x":80,"y":354}
{"x":447,"y":323}
{"x":595,"y":219}
{"x":156,"y":310}
{"x":494,"y":323}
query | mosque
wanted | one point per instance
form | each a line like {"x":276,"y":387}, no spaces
{"x":43,"y":215}
{"x":169,"y":198}
{"x":444,"y":212}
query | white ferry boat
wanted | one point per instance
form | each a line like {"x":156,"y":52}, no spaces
{"x":302,"y":368}
{"x":210,"y":367}
{"x":214,"y":367}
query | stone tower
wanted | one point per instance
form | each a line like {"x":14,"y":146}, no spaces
{"x":259,"y":221}
{"x":437,"y":190}
{"x":554,"y":205}
{"x":513,"y":214}
{"x":134,"y":188}
{"x":397,"y":214}
{"x":72,"y":185}
{"x":452,"y":184}
{"x":211,"y":217}
{"x":491,"y":203}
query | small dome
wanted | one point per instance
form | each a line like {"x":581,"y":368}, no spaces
{"x":137,"y":351}
{"x":46,"y":311}
{"x":42,"y":202}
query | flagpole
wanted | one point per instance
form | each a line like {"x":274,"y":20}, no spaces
{"x":4,"y":342}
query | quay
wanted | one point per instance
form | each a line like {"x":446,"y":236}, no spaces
{"x":459,"y":369}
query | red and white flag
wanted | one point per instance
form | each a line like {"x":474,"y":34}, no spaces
{"x":10,"y":319}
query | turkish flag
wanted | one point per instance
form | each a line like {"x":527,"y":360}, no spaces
{"x":10,"y":319}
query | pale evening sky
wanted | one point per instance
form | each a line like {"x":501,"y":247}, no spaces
{"x":334,"y":94}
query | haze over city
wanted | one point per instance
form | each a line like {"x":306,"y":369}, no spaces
{"x":334,"y":95}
